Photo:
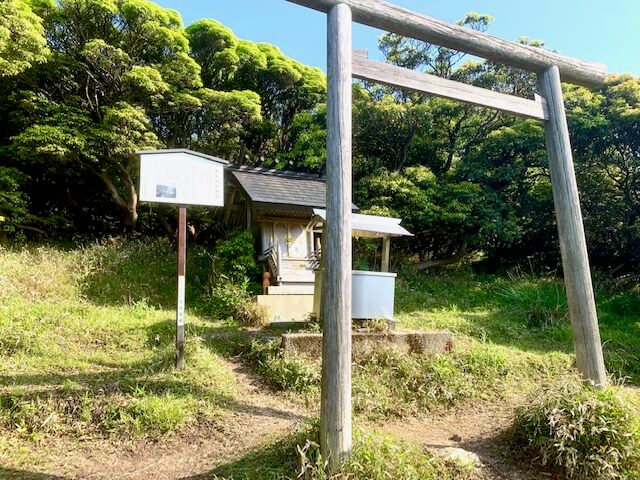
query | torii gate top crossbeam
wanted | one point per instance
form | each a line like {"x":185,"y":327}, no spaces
{"x":383,"y":15}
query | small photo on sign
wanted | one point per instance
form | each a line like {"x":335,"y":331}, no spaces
{"x":166,"y":190}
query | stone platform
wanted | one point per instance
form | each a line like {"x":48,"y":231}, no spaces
{"x":310,"y":344}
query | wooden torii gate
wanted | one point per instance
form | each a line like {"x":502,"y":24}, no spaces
{"x":548,"y":107}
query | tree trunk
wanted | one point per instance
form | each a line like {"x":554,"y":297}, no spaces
{"x":129,"y":205}
{"x":441,"y":262}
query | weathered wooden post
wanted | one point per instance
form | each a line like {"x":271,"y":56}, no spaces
{"x":335,"y":414}
{"x":386,"y":251}
{"x":573,"y":246}
{"x":182,"y":261}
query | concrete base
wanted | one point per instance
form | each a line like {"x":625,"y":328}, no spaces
{"x":294,"y":289}
{"x":287,"y":308}
{"x":310,"y":344}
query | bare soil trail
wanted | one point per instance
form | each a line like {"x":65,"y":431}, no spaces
{"x":479,"y":428}
{"x":258,"y":417}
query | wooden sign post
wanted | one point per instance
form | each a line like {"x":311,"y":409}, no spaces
{"x":182,"y":260}
{"x":181,"y":177}
{"x":335,"y":421}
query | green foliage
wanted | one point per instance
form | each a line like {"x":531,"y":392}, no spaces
{"x":123,"y":77}
{"x":234,"y":257}
{"x":459,"y":214}
{"x":229,"y":300}
{"x":22,"y":38}
{"x":374,"y":457}
{"x":79,"y":369}
{"x":13,"y":201}
{"x":234,"y":272}
{"x":285,"y":87}
{"x":581,"y":431}
{"x":283,"y":372}
{"x":604,"y":133}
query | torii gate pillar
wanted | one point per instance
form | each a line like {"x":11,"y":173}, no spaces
{"x":335,"y":415}
{"x":573,"y":246}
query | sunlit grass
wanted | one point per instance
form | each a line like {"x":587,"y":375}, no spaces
{"x":79,"y":357}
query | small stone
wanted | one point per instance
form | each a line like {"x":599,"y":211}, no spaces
{"x":456,"y":438}
{"x":461,"y":456}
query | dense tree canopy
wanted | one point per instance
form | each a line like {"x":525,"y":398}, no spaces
{"x":22,"y":41}
{"x":123,"y":76}
{"x":84,"y":84}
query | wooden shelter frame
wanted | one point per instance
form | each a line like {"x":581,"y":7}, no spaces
{"x":548,"y":107}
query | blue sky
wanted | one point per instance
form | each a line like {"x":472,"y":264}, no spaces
{"x":597,"y":30}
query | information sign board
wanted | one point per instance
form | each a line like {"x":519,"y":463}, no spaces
{"x":181,"y":177}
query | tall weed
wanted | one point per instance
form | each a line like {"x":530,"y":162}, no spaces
{"x":582,"y":432}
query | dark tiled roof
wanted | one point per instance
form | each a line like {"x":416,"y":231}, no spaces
{"x":280,"y":186}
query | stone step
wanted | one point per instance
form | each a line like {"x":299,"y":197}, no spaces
{"x":289,"y":289}
{"x":295,"y":277}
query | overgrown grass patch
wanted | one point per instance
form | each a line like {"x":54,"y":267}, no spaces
{"x":71,"y":367}
{"x":523,"y":313}
{"x":581,"y":432}
{"x":374,"y":457}
{"x":390,"y":383}
{"x":283,"y":372}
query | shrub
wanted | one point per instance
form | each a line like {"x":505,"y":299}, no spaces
{"x":234,"y":269}
{"x":254,"y":315}
{"x":234,"y":257}
{"x":581,"y":431}
{"x":229,"y":300}
{"x":284,"y":373}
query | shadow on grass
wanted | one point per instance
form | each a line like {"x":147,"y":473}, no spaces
{"x":275,"y":461}
{"x":144,"y":271}
{"x":154,"y":375}
{"x":12,"y":474}
{"x":523,"y":312}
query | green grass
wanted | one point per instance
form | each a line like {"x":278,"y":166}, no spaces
{"x":521,"y":316}
{"x":87,"y":344}
{"x":388,"y":383}
{"x":374,"y":457}
{"x":87,"y":349}
{"x":512,"y":336}
{"x":581,"y":432}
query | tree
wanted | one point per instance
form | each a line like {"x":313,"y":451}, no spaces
{"x":286,"y":88}
{"x":605,"y":128}
{"x":120,"y":79}
{"x":397,"y":133}
{"x":22,"y":41}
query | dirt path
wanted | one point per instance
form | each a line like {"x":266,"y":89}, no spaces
{"x":479,"y":429}
{"x":260,"y":416}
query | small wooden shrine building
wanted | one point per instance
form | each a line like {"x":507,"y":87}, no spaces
{"x":276,"y":206}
